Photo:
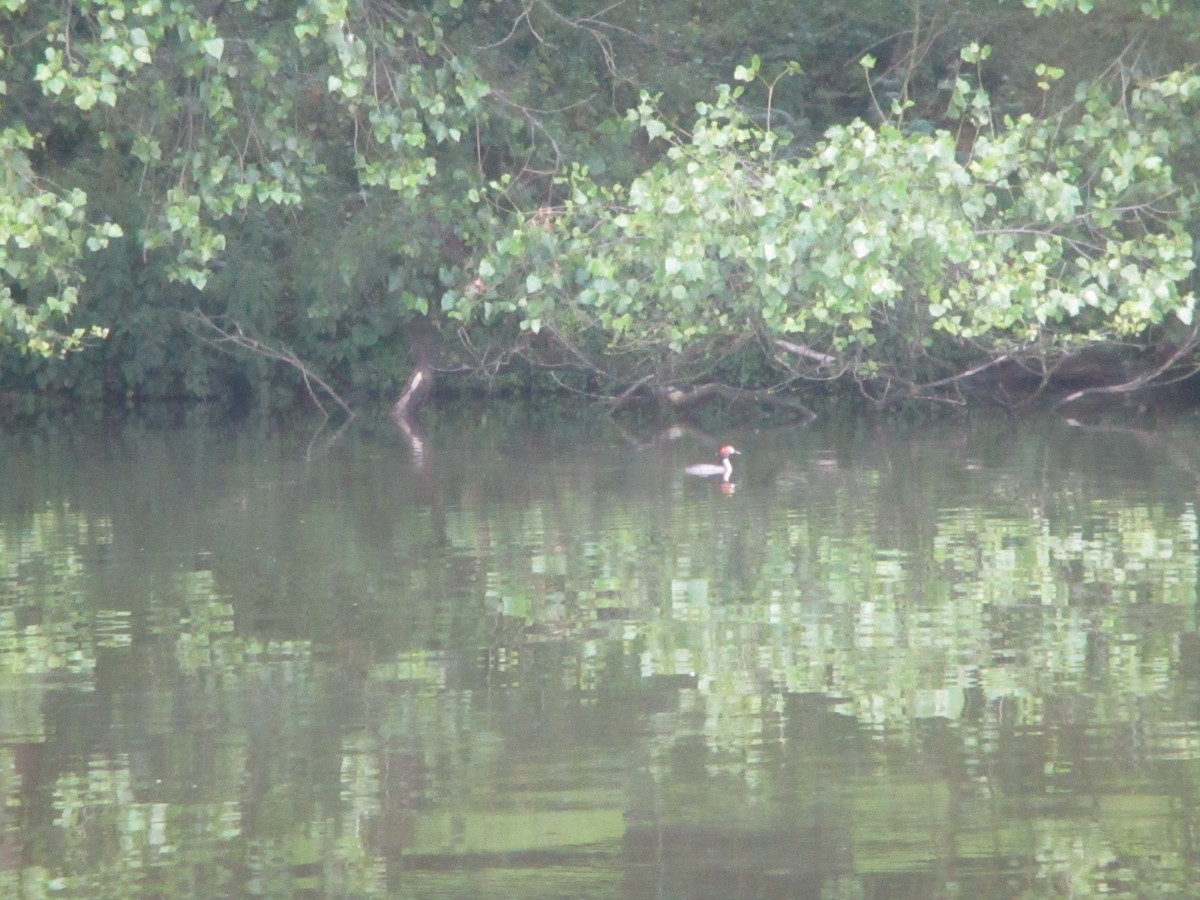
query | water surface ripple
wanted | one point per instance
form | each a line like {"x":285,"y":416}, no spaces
{"x":540,"y":661}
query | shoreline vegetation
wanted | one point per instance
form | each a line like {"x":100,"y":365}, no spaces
{"x":800,"y":207}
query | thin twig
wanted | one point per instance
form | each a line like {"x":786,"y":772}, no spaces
{"x":228,"y":340}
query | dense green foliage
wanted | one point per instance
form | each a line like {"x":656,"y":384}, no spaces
{"x":237,"y":152}
{"x":892,"y":195}
{"x":888,"y":251}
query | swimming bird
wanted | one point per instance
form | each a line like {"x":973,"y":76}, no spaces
{"x":725,"y":469}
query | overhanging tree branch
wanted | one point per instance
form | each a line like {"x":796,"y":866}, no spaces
{"x":1174,"y":362}
{"x":233,"y":338}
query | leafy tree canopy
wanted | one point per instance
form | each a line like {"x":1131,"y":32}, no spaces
{"x":897,"y":194}
{"x":892,"y":253}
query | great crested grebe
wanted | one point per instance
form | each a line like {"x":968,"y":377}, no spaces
{"x":725,"y":468}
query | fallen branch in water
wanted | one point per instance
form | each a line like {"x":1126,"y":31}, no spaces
{"x":684,"y":397}
{"x":1151,"y":378}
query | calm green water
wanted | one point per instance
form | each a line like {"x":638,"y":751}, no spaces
{"x":956,"y":661}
